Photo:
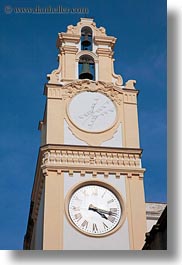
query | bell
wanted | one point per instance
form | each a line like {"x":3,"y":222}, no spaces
{"x":85,"y":73}
{"x":85,"y":41}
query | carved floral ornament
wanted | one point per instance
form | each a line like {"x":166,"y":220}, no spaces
{"x":87,"y":85}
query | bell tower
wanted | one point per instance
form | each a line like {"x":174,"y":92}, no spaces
{"x":88,"y":189}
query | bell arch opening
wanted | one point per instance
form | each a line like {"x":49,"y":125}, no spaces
{"x":86,"y":38}
{"x":86,"y":67}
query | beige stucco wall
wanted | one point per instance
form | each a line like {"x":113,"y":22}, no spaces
{"x":38,"y":240}
{"x":136,"y":211}
{"x":131,"y":125}
{"x":55,"y":121}
{"x":104,"y":71}
{"x":53,"y":211}
{"x":69,"y":64}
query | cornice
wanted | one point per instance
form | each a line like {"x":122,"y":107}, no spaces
{"x":93,"y":148}
{"x":91,"y":159}
{"x":69,"y":49}
{"x":95,"y":160}
{"x":105,"y":40}
{"x":105,"y":52}
{"x":66,"y":37}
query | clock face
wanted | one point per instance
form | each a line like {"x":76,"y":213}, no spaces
{"x":92,"y":111}
{"x":94,"y":209}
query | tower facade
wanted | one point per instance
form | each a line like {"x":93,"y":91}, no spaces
{"x":88,"y":189}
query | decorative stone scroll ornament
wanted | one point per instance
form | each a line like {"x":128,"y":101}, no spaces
{"x":55,"y":76}
{"x":118,"y":78}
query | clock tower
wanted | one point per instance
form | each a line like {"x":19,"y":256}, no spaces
{"x":88,"y":189}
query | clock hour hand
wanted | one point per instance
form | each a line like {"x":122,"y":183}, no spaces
{"x":95,"y":209}
{"x":101,"y":211}
{"x":102,"y":215}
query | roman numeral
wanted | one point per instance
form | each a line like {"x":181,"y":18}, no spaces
{"x":85,"y":193}
{"x":103,"y":194}
{"x":75,"y":208}
{"x":113,"y":211}
{"x":77,"y":199}
{"x":95,"y":191}
{"x":111,"y":218}
{"x":78,"y":216}
{"x":95,"y":229}
{"x":110,"y":201}
{"x":84,"y":224}
{"x":105,"y":226}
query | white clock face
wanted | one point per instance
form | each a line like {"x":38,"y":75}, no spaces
{"x":94,"y":210}
{"x":92,"y":111}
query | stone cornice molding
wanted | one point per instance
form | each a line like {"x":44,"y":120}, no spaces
{"x":69,"y":49}
{"x":65,"y":37}
{"x":55,"y":75}
{"x":104,"y":52}
{"x":103,"y":159}
{"x":118,"y":78}
{"x":101,"y":40}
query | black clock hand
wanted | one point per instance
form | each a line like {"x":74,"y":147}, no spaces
{"x":92,"y":207}
{"x":95,"y":209}
{"x":102,"y":215}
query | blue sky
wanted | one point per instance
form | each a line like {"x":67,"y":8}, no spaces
{"x":28,"y":53}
